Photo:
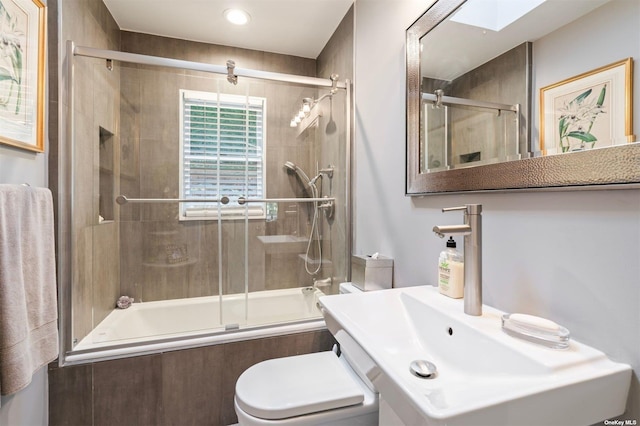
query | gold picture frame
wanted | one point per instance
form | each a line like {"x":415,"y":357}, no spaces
{"x":22,"y":73}
{"x":590,"y":110}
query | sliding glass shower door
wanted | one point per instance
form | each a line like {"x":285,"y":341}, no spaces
{"x":183,"y":203}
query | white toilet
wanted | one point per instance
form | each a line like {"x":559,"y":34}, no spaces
{"x":313,"y":389}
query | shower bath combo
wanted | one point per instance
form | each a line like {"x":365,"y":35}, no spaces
{"x":211,"y":254}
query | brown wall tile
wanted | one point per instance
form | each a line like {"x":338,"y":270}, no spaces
{"x":70,"y":396}
{"x":191,"y":386}
{"x":128,"y":391}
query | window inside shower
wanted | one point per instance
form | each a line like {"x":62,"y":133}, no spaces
{"x":222,"y":153}
{"x":211,"y":232}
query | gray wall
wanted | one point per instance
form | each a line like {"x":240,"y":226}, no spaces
{"x":30,"y":405}
{"x":572,"y":257}
{"x":20,"y":166}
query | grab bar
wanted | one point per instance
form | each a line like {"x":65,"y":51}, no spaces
{"x":243,"y":200}
{"x":121,"y":199}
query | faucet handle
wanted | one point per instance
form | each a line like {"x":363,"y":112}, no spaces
{"x":467,"y":208}
{"x":451,"y":209}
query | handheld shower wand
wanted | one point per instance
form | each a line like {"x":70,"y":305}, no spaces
{"x":311,"y":184}
{"x":291,"y":167}
{"x":304,"y":177}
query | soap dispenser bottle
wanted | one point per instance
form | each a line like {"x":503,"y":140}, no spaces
{"x":451,"y":271}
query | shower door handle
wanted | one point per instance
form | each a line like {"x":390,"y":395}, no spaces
{"x":122,"y":199}
{"x":243,"y":200}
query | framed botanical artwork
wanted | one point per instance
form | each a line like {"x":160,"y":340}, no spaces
{"x":590,"y":110}
{"x":22,"y":68}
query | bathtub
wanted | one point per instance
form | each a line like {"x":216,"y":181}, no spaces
{"x":151,"y":327}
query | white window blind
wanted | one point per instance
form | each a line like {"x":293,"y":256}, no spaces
{"x":222,"y":153}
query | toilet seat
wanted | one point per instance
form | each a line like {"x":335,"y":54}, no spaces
{"x":296,"y":386}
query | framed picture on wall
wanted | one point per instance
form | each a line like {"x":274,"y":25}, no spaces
{"x":590,"y":110}
{"x":22,"y":66}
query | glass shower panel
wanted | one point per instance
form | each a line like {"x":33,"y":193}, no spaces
{"x":435,"y":129}
{"x":95,"y":237}
{"x":304,"y":244}
{"x":457,"y":136}
{"x":182,"y":202}
{"x":224,"y":156}
{"x":481,"y":135}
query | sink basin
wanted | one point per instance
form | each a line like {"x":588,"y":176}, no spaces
{"x":484,"y":376}
{"x":283,"y":243}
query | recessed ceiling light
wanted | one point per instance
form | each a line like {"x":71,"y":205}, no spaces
{"x":237,"y":16}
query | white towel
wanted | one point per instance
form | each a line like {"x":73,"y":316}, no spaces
{"x":28,"y":306}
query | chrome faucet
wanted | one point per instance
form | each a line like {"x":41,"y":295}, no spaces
{"x":472,"y":231}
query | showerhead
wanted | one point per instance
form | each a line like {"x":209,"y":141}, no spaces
{"x":291,"y":167}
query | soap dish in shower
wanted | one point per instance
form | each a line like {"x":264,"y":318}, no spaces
{"x":535,"y":329}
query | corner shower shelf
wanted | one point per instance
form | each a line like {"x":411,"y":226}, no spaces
{"x":170,"y":265}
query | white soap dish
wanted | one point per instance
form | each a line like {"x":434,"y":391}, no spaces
{"x":537,"y":330}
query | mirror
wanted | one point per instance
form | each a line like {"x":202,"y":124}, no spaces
{"x":543,"y":99}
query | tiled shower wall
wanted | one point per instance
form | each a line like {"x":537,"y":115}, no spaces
{"x":150,"y":156}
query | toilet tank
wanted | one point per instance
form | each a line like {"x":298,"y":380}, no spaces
{"x":346,"y":288}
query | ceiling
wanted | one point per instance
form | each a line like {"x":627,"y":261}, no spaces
{"x":292,"y":27}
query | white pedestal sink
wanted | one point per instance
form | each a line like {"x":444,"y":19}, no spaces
{"x":484,"y":376}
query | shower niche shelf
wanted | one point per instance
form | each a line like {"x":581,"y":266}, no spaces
{"x":283,"y":243}
{"x":106,"y":176}
{"x":170,"y":265}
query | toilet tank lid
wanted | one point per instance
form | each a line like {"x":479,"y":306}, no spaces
{"x":297,"y":385}
{"x":346,"y":288}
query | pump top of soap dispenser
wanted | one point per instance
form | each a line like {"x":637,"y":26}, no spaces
{"x":451,"y":243}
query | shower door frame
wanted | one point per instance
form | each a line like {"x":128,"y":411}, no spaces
{"x":65,"y":262}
